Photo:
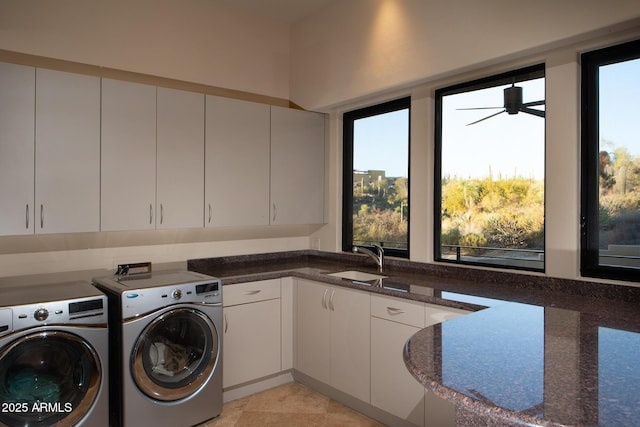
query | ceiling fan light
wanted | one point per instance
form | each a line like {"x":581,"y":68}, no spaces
{"x":513,"y":99}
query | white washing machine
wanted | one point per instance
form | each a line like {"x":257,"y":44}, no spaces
{"x":53,"y":355}
{"x":166,"y":353}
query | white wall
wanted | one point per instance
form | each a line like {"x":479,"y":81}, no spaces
{"x":357,"y":48}
{"x":199,"y":41}
{"x":369,"y":55}
{"x":108,"y":258}
{"x":351,"y":54}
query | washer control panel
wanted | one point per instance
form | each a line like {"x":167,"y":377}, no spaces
{"x":6,"y":321}
{"x":41,"y":314}
{"x":137,"y":302}
{"x":80,"y":311}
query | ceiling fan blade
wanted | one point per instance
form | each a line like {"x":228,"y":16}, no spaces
{"x":531,"y":104}
{"x":488,"y":117}
{"x":538,"y":113}
{"x":479,"y":108}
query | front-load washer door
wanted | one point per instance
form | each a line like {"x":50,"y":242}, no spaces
{"x":47,"y":378}
{"x":175,"y":355}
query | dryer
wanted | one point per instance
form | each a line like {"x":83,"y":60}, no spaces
{"x":166,"y":351}
{"x":53,"y":355}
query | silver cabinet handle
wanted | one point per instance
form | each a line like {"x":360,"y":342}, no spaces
{"x":252,"y":292}
{"x":331,"y":307}
{"x":27,"y":216}
{"x":41,"y":216}
{"x":324,"y":299}
{"x":150,"y":213}
{"x":393,"y":311}
{"x":226,"y":323}
{"x":210,"y":213}
{"x":161,"y":213}
{"x":275,"y":212}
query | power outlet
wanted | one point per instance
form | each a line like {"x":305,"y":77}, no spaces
{"x":315,"y":243}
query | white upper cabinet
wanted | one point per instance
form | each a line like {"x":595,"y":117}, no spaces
{"x":84,"y":154}
{"x":49,"y":151}
{"x":67,"y":176}
{"x":237,"y":163}
{"x":180,"y":163}
{"x":297,"y":167}
{"x":17,"y":112}
{"x":128,"y":156}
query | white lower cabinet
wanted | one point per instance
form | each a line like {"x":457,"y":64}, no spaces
{"x":393,"y":388}
{"x":348,"y":339}
{"x":333,"y":337}
{"x":252,"y":332}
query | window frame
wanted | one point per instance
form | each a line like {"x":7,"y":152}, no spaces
{"x":590,"y":147}
{"x":520,"y":74}
{"x":348,"y":119}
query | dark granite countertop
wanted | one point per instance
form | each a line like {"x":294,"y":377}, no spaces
{"x":544,"y":351}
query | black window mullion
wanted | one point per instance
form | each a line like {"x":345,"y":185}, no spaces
{"x":349,"y":119}
{"x":591,"y":62}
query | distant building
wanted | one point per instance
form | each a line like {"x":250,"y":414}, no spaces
{"x":365,"y":178}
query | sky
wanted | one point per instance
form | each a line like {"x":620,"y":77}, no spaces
{"x":620,"y":105}
{"x":382,"y":143}
{"x":507,"y":145}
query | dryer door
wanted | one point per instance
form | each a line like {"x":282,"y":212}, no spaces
{"x":47,"y":378}
{"x":175,"y":355}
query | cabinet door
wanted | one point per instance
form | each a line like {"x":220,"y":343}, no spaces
{"x":128,"y":184}
{"x":17,"y":112}
{"x":393,"y":388}
{"x":314,"y":332}
{"x":297,"y":167}
{"x":251,"y":347}
{"x":350,"y":342}
{"x":180,"y":163}
{"x":237,"y":163}
{"x":67,"y":176}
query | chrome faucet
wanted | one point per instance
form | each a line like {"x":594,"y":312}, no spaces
{"x":379,"y":258}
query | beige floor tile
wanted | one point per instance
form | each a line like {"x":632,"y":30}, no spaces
{"x":289,"y":405}
{"x":273,"y":419}
{"x":291,"y":397}
{"x":339,"y":415}
{"x":231,"y":413}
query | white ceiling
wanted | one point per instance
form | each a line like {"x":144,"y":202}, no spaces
{"x":286,"y":11}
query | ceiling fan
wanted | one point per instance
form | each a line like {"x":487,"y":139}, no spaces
{"x":512,"y":105}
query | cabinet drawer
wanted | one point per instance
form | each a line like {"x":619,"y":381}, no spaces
{"x":398,"y":310}
{"x":439,"y":313}
{"x":243,"y":293}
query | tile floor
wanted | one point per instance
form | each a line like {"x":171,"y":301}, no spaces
{"x":290,"y":404}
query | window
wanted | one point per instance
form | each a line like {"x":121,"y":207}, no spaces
{"x":610,"y":246}
{"x":489,"y":171}
{"x":376,"y":177}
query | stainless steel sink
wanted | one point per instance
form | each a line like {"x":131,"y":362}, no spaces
{"x":360,"y":276}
